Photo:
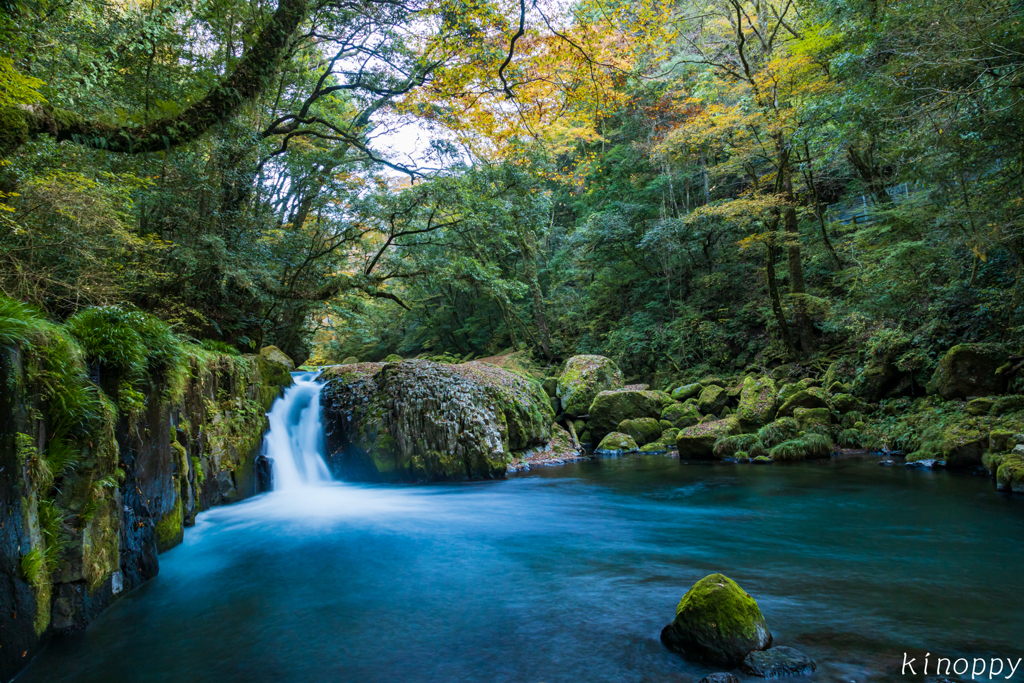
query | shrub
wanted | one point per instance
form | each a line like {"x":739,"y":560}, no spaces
{"x":802,"y":448}
{"x":774,"y":433}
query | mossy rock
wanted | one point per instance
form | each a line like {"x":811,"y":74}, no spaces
{"x":583,"y":379}
{"x":351,"y":360}
{"x":970,"y":370}
{"x":617,"y":442}
{"x":393,"y":358}
{"x":698,"y":442}
{"x":421,"y":420}
{"x":610,"y":408}
{"x":654,"y":448}
{"x":276,"y":355}
{"x":717,"y":622}
{"x":762,"y":460}
{"x":681,"y":415}
{"x":958,"y":444}
{"x":811,"y":397}
{"x":644,"y":430}
{"x":669,"y":436}
{"x":686,"y":391}
{"x":838,"y":388}
{"x":1007,"y":404}
{"x":979,"y":406}
{"x":758,"y":402}
{"x":999,"y":440}
{"x":550,"y":386}
{"x":712,"y":399}
{"x":812,"y":417}
{"x":665,"y":424}
{"x":1010,"y":475}
{"x":847,"y":403}
{"x":991,"y":461}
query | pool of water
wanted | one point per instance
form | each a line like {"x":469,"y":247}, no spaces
{"x":568,"y":574}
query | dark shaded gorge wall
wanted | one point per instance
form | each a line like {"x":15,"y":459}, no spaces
{"x":67,"y":552}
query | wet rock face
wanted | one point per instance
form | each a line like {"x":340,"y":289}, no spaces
{"x":716,"y":621}
{"x":424,"y":421}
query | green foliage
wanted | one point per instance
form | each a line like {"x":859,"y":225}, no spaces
{"x":775,"y":433}
{"x":728,"y":446}
{"x":806,"y":446}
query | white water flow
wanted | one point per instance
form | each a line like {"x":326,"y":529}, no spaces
{"x":295,"y":442}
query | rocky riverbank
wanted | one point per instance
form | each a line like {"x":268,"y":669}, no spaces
{"x":111,"y":441}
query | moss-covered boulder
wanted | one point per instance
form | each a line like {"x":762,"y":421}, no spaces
{"x":758,"y":402}
{"x":712,"y":399}
{"x":612,"y":407}
{"x":644,"y":430}
{"x":1000,"y":440}
{"x":847,"y":403}
{"x":617,"y":442}
{"x":812,"y":397}
{"x":979,"y":406}
{"x":970,"y":370}
{"x":669,"y":436}
{"x":276,"y":355}
{"x":717,"y":622}
{"x":698,"y":442}
{"x":1010,"y":475}
{"x":393,"y":358}
{"x":686,"y":391}
{"x":681,"y":415}
{"x":350,"y":360}
{"x":583,"y":379}
{"x":420,"y":420}
{"x":960,"y":444}
{"x":550,"y":386}
{"x":838,"y":388}
{"x":1007,"y":404}
{"x":812,"y":417}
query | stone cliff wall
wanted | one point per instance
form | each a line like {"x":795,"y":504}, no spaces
{"x":85,"y":509}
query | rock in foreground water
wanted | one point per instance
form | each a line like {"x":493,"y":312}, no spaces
{"x":716,"y":621}
{"x":778,"y":662}
{"x":720,"y":677}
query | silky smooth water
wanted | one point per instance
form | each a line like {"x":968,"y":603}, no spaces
{"x":295,"y":440}
{"x":568,"y":574}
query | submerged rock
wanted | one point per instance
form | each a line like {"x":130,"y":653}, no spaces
{"x":719,"y":678}
{"x":583,"y":379}
{"x":420,"y":420}
{"x":778,"y":662}
{"x":716,"y":621}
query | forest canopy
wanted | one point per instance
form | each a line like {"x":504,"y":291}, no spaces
{"x":684,"y":187}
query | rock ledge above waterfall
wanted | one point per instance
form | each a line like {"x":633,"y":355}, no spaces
{"x":419,"y":420}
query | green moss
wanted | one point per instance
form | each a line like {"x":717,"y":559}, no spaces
{"x":681,"y":415}
{"x":644,"y":430}
{"x":585,"y":377}
{"x":617,"y":442}
{"x":778,"y":431}
{"x":34,"y":570}
{"x":698,"y":442}
{"x":806,"y":447}
{"x":1010,"y":475}
{"x":728,"y":446}
{"x":812,"y":417}
{"x":170,"y":529}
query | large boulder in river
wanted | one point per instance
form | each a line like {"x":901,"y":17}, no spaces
{"x":584,"y":378}
{"x":617,"y":442}
{"x":419,"y":420}
{"x":970,"y":370}
{"x":698,"y":442}
{"x":717,"y":622}
{"x":644,"y":430}
{"x":758,"y":402}
{"x":610,"y":408}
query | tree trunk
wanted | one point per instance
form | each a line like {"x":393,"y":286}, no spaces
{"x":797,"y":286}
{"x":529,"y":244}
{"x":773,"y":294}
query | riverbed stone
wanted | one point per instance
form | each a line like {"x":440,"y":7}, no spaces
{"x":778,"y":662}
{"x":716,"y":621}
{"x":610,"y":408}
{"x":644,"y":430}
{"x":584,"y":377}
{"x":698,"y":442}
{"x":617,"y":442}
{"x":970,"y":370}
{"x":720,"y":677}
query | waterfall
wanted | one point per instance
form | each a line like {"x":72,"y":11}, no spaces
{"x":295,"y":442}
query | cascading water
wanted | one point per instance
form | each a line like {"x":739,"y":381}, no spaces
{"x":295,"y":442}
